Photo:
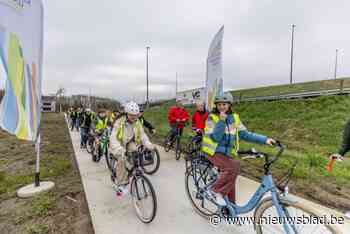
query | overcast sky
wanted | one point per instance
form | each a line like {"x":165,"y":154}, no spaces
{"x":100,"y":45}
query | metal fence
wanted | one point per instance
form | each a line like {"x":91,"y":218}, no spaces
{"x":294,"y":95}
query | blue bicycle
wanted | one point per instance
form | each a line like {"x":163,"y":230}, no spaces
{"x":277,"y":213}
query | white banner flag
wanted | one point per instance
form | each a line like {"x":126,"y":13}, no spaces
{"x":21,"y":49}
{"x":214,"y":82}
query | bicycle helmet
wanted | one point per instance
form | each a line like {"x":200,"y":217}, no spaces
{"x":132,"y":108}
{"x":226,"y":98}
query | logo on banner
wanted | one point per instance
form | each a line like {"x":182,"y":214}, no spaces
{"x":17,"y":4}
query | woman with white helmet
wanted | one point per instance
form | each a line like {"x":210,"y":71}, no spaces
{"x":128,"y":134}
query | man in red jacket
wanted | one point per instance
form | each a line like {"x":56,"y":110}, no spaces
{"x":177,"y":117}
{"x":199,"y":118}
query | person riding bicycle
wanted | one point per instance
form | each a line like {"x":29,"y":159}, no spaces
{"x":74,"y":118}
{"x":144,"y":122}
{"x":127,"y":135}
{"x":100,"y":125}
{"x":86,"y":121}
{"x":177,"y":117}
{"x":220,"y":143}
{"x":344,"y":149}
{"x":199,"y":118}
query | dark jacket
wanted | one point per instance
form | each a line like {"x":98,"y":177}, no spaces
{"x":346,"y":140}
{"x":86,"y":120}
{"x":146,"y":124}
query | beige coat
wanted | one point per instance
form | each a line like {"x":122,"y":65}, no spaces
{"x":117,"y":148}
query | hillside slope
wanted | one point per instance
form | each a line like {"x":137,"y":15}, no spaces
{"x":311,"y":129}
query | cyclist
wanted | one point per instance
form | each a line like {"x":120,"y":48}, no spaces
{"x":144,"y":122}
{"x":79,"y":118}
{"x":85,"y":127}
{"x":177,"y":117}
{"x":345,"y":148}
{"x":73,"y":117}
{"x":221,"y":142}
{"x":127,"y":135}
{"x":198,"y":119}
{"x":100,"y":125}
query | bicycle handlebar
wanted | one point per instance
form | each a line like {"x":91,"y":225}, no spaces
{"x":252,"y":154}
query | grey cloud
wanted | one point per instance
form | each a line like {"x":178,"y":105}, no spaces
{"x":101,"y":46}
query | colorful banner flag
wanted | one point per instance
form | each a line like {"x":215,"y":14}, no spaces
{"x":21,"y":49}
{"x":214,"y":81}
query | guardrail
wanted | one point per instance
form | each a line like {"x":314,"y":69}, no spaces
{"x":295,"y":95}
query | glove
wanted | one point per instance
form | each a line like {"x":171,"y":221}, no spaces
{"x":337,"y":157}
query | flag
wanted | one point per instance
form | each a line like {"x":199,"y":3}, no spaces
{"x":214,"y":81}
{"x":21,"y":51}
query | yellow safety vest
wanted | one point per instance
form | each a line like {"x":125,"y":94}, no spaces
{"x":101,"y":124}
{"x":121,"y":129}
{"x":208,"y":145}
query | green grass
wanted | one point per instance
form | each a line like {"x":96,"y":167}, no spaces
{"x":38,"y":229}
{"x":43,"y":204}
{"x":311,"y":130}
{"x":294,"y":88}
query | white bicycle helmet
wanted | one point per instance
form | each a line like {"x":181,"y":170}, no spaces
{"x":132,"y":108}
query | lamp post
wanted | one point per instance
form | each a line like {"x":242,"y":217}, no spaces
{"x":336,"y":64}
{"x":291,"y":56}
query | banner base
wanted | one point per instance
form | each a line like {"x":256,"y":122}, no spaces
{"x":32,"y":190}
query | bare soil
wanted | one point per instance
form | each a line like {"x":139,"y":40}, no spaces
{"x":62,"y":210}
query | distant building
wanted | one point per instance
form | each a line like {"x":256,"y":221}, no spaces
{"x":48,"y":104}
{"x":189,"y":97}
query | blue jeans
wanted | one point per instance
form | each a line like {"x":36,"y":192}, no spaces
{"x":84,"y":133}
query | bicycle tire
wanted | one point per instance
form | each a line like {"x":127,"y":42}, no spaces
{"x":267,"y":203}
{"x":108,"y":159}
{"x":135,"y":193}
{"x":166,"y":144}
{"x":157,"y":164}
{"x":90,"y":146}
{"x":178,"y":149}
{"x":203,"y":212}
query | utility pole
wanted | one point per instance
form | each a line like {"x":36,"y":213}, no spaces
{"x":291,"y":56}
{"x":147,"y":97}
{"x":336,"y":64}
{"x":176,"y":88}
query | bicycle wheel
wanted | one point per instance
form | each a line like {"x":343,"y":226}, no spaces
{"x":196,"y":179}
{"x":296,"y":211}
{"x":167,"y":144}
{"x":153,"y":168}
{"x":178,"y":148}
{"x":144,"y":198}
{"x":108,"y":159}
{"x":95,"y":152}
{"x":90,"y":146}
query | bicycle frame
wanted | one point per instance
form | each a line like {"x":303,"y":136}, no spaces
{"x":267,"y":185}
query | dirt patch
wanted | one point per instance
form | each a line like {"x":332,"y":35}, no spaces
{"x":62,"y":210}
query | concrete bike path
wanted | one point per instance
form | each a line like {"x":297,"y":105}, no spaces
{"x":112,"y":215}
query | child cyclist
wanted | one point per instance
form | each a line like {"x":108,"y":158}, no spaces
{"x":220,"y":143}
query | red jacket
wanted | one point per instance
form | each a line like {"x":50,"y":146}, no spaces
{"x":198,"y":119}
{"x":178,"y":113}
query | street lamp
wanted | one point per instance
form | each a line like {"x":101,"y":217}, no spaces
{"x":291,"y":55}
{"x":336,"y":64}
{"x":147,"y":97}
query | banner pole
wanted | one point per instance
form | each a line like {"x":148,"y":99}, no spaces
{"x":37,"y":166}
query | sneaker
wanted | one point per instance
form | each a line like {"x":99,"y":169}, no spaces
{"x":122,"y":191}
{"x":347,"y":214}
{"x":217,"y":197}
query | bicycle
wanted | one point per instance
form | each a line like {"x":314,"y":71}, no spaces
{"x":141,"y":187}
{"x":203,"y":175}
{"x":102,"y":150}
{"x":194,"y":146}
{"x":168,"y":143}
